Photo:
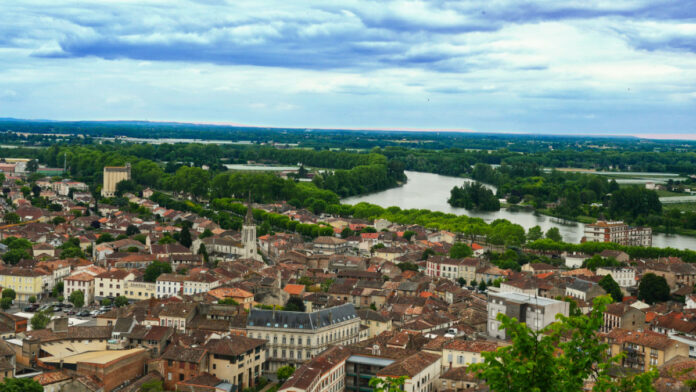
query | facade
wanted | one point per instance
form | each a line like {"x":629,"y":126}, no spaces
{"x":459,"y":353}
{"x":112,"y":176}
{"x":374,"y":321}
{"x":324,"y":373}
{"x":182,"y":363}
{"x":295,"y":337}
{"x":236,"y":359}
{"x":423,"y":371}
{"x":169,"y":284}
{"x":619,"y":315}
{"x":136,"y":290}
{"x":25,"y":282}
{"x":644,"y":350}
{"x":111,"y":284}
{"x":80,"y":281}
{"x":537,"y":312}
{"x":618,"y":232}
{"x":624,"y":276}
{"x":200,"y":283}
{"x":452,"y":269}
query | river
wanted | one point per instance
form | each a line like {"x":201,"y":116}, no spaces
{"x":431,"y":191}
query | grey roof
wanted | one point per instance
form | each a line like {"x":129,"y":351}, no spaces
{"x":301,"y":320}
{"x":123,"y":325}
{"x":581,"y":285}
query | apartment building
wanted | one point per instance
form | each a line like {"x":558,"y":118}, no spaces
{"x":111,"y":284}
{"x":537,"y":312}
{"x":440,"y":266}
{"x":24,"y":281}
{"x":324,"y":373}
{"x":294,"y":337}
{"x":624,"y":276}
{"x":423,"y":371}
{"x":169,"y":284}
{"x":644,"y":350}
{"x":81,"y":281}
{"x":617,"y":232}
{"x":236,"y":359}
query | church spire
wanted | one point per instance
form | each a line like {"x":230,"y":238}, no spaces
{"x":249,"y":219}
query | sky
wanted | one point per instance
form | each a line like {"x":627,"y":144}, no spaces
{"x":548,"y":66}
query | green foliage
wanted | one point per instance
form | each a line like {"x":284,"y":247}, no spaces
{"x":32,"y":299}
{"x":58,"y":220}
{"x":295,"y":304}
{"x":105,"y":237}
{"x":57,"y":289}
{"x":407,"y":266}
{"x":152,"y":386}
{"x":9,"y":293}
{"x":408,"y":234}
{"x":12,"y":218}
{"x":20,"y":385}
{"x":205,"y":234}
{"x":534,"y":233}
{"x":611,"y":287}
{"x":326,"y":284}
{"x":474,"y":196}
{"x":228,"y":301}
{"x":284,"y":373}
{"x":347,"y":232}
{"x":598,"y":261}
{"x":653,"y":288}
{"x":120,"y":301}
{"x":155,"y":269}
{"x":554,"y":234}
{"x":388,"y":384}
{"x":132,"y":230}
{"x":185,"y":237}
{"x":105,"y":302}
{"x":14,"y":256}
{"x":560,"y":357}
{"x":427,"y":253}
{"x":460,"y":250}
{"x":77,"y":298}
{"x":6,"y":303}
{"x":40,"y":320}
{"x":635,"y":252}
{"x":632,"y":202}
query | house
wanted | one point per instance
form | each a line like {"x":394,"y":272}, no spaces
{"x":458,"y":379}
{"x":453,"y":269}
{"x":643,"y":350}
{"x":242,"y":297}
{"x":81,"y":281}
{"x":177,"y":315}
{"x":624,"y":276}
{"x":374,"y":321}
{"x":181,"y":363}
{"x":537,"y":312}
{"x":326,"y":245}
{"x":169,"y":284}
{"x":236,"y":359}
{"x":324,"y":373}
{"x":152,"y":337}
{"x":617,"y":255}
{"x":584,"y":290}
{"x":620,"y":315}
{"x":461,"y":353}
{"x":111,"y":284}
{"x":43,"y":249}
{"x":24,"y":281}
{"x":200,"y":283}
{"x":422,"y":369}
{"x":539,"y":268}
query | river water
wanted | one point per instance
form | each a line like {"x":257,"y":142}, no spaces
{"x":431,"y":191}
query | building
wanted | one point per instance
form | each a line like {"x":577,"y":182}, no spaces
{"x":81,"y":281}
{"x":249,"y":236}
{"x":460,"y":353}
{"x":326,"y":245}
{"x":200,"y":283}
{"x":453,"y":269}
{"x":374,"y":321}
{"x":169,"y":284}
{"x":137,"y":290}
{"x":24,"y":281}
{"x":584,"y":290}
{"x":423,"y":371}
{"x":295,"y":337}
{"x":324,"y":373}
{"x":620,"y":315}
{"x":644,"y":350}
{"x":236,"y":359}
{"x":182,"y":363}
{"x":537,"y":312}
{"x":624,"y":276}
{"x":111,"y":284}
{"x":112,"y":176}
{"x":617,"y":232}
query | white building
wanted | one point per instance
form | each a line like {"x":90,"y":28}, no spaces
{"x":200,"y":283}
{"x":423,"y":371}
{"x":81,"y":281}
{"x":537,"y":312}
{"x":169,"y":285}
{"x":624,"y":276}
{"x":111,"y":284}
{"x":618,"y":232}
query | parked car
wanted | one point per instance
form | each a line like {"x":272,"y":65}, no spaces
{"x":70,"y":312}
{"x":31,"y":308}
{"x":84,"y":313}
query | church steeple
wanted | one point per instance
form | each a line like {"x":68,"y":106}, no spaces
{"x":249,"y":219}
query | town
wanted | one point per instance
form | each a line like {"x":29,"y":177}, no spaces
{"x":139,"y":296}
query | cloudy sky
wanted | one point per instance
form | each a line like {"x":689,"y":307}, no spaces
{"x":548,"y":66}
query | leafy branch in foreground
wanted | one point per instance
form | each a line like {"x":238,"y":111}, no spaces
{"x":564,"y":356}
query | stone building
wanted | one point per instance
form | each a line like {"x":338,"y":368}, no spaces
{"x":112,"y":176}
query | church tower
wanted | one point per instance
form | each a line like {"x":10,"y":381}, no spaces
{"x":249,"y":235}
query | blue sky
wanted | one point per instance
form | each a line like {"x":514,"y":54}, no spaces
{"x":590,"y":67}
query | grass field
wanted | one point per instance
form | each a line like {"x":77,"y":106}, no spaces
{"x":680,"y":206}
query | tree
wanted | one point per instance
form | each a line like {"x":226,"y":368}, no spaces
{"x":57,"y":289}
{"x":228,"y":301}
{"x":347,"y":232}
{"x":106,"y":237}
{"x":185,"y":237}
{"x":6,"y":303}
{"x":14,"y":256}
{"x":474,"y":196}
{"x":205,"y":234}
{"x":20,"y":385}
{"x":460,"y":250}
{"x":284,"y":373}
{"x":32,"y":299}
{"x":40,"y":320}
{"x":611,"y":287}
{"x":388,"y":384}
{"x":77,"y":298}
{"x":295,"y":304}
{"x":554,"y":235}
{"x":408,"y":234}
{"x":105,"y":302}
{"x":407,"y":266}
{"x":427,"y":253}
{"x":155,"y":269}
{"x":120,"y":301}
{"x":653,"y":288}
{"x":461,"y":281}
{"x":561,"y":357}
{"x":482,"y":285}
{"x":12,"y":218}
{"x":9,"y":293}
{"x":132,"y":230}
{"x":534,"y":233}
{"x":32,"y":166}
